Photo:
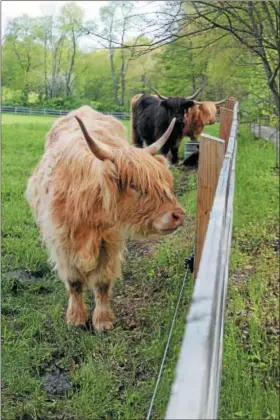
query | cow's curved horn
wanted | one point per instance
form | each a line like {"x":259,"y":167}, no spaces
{"x":216,"y":103}
{"x":220,"y":102}
{"x":195,"y":93}
{"x":158,"y":94}
{"x":98,"y":151}
{"x":155,"y":147}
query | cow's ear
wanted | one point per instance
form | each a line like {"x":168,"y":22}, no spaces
{"x":188,"y":104}
{"x":164,"y":103}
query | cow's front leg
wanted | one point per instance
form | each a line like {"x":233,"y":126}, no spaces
{"x":174,"y":155}
{"x":76,"y":312}
{"x":101,"y":281}
{"x":103,"y":316}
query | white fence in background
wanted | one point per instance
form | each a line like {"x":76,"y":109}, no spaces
{"x":54,"y":112}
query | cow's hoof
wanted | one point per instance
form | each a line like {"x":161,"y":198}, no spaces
{"x":103,"y":325}
{"x":77,"y":318}
{"x":103,"y":320}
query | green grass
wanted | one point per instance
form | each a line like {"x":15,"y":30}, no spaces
{"x":26,"y":119}
{"x":112,"y":375}
{"x":250,"y":379}
{"x":33,"y":119}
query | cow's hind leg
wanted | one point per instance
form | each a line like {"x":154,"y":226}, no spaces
{"x":103,"y":316}
{"x":76,"y":312}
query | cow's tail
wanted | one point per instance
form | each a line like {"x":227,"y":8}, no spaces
{"x":133,"y":108}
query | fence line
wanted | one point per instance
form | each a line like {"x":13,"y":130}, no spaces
{"x":54,"y":112}
{"x":195,"y":392}
{"x":59,"y":112}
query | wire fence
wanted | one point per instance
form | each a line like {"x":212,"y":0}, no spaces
{"x":54,"y":112}
{"x":60,"y":112}
{"x":196,"y":389}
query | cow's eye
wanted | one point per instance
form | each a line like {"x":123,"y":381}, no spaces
{"x":132,"y":186}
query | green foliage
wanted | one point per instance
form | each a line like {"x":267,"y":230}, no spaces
{"x":225,"y":67}
{"x":250,"y":374}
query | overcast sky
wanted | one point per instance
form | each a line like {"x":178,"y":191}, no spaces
{"x":11,"y":9}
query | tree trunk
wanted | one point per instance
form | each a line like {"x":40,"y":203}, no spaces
{"x":123,"y":72}
{"x":193,"y":83}
{"x":114,"y":78}
{"x":271,"y":82}
{"x":45,"y":67}
{"x":275,"y":94}
{"x":143,"y":80}
{"x":69,"y":74}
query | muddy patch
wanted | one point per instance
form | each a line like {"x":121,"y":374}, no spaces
{"x":16,"y":281}
{"x":22,"y":275}
{"x":56,"y":383}
{"x":142,"y":248}
{"x":18,"y":275}
{"x":130,"y":302}
{"x":19,"y":281}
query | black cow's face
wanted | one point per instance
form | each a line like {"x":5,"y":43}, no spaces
{"x":177,"y":107}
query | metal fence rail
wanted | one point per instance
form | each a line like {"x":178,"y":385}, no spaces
{"x":54,"y":112}
{"x":195,"y":392}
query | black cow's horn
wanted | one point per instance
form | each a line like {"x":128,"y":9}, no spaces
{"x":155,"y":147}
{"x":195,"y":94}
{"x":158,"y":94}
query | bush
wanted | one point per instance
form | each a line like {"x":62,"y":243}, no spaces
{"x":62,"y":103}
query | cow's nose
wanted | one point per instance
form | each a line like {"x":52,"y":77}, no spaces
{"x":178,"y":216}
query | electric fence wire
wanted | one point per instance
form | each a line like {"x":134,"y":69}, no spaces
{"x":189,"y":268}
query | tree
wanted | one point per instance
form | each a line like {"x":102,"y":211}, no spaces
{"x":117,"y":19}
{"x":59,"y":37}
{"x":254,"y":24}
{"x":21,"y":37}
{"x":71,"y":27}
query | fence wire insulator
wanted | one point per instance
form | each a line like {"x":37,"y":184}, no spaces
{"x":189,"y":262}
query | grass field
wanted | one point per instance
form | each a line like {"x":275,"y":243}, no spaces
{"x":51,"y":371}
{"x":33,"y":119}
{"x":250,"y":381}
{"x":26,"y":119}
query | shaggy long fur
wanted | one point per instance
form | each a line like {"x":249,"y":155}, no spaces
{"x":199,"y":116}
{"x":133,"y":109}
{"x":86,"y":208}
{"x":150,"y":117}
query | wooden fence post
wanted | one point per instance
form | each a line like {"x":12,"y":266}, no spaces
{"x":211,"y":155}
{"x":226,"y":117}
{"x":230,"y":102}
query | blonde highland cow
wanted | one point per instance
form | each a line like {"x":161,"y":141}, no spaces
{"x":90,"y":191}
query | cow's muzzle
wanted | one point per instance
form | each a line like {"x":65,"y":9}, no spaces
{"x":170,"y":221}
